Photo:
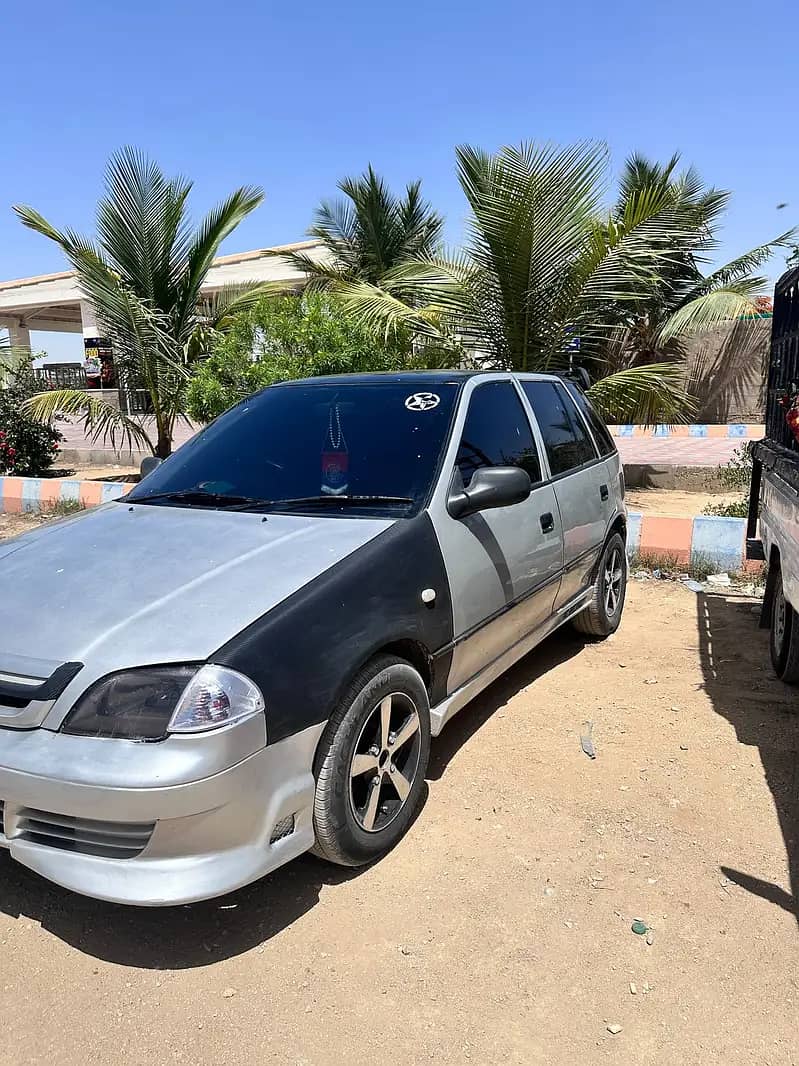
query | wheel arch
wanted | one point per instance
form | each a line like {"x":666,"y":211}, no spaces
{"x":409,"y":650}
{"x":772,"y":576}
{"x":618,"y":525}
{"x":414,"y":652}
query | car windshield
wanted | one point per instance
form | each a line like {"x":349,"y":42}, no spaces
{"x":343,"y":447}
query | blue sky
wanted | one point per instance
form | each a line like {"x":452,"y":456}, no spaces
{"x":293,"y":96}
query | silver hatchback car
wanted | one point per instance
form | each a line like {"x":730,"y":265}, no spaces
{"x":245,"y":657}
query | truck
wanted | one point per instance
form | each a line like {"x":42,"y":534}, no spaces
{"x":773,"y":518}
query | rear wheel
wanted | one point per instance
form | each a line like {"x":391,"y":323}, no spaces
{"x":784,"y":641}
{"x":372,"y":763}
{"x":603,"y":614}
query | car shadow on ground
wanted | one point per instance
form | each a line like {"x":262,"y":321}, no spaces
{"x":169,"y":938}
{"x":738,"y":679}
{"x":557,"y":649}
{"x":204,"y":933}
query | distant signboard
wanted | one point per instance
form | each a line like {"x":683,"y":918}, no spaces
{"x":99,"y":358}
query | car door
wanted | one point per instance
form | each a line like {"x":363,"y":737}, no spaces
{"x":613,"y":478}
{"x":579,"y":478}
{"x":504,"y":564}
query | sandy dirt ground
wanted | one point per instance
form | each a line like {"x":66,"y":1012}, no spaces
{"x":11,"y":525}
{"x":674,"y":502}
{"x":499,"y":930}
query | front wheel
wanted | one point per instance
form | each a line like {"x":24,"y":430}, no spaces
{"x":603,"y":614}
{"x":784,"y":638}
{"x":371,"y":764}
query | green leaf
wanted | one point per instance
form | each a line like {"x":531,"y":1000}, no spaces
{"x":645,"y":395}
{"x":715,"y":308}
{"x":101,"y":419}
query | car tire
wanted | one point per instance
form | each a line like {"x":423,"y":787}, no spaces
{"x":784,"y":636}
{"x":371,"y":764}
{"x":603,"y":614}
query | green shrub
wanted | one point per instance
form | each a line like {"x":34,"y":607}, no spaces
{"x":737,"y":472}
{"x":62,"y":508}
{"x":27,"y":447}
{"x":728,"y":509}
{"x":287,"y":337}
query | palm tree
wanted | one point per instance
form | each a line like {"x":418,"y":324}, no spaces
{"x":144,"y":275}
{"x":370,"y":232}
{"x":681,"y":299}
{"x":548,"y":271}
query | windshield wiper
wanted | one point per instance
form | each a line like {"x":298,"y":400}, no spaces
{"x":218,"y":499}
{"x":357,"y":501}
{"x":231,"y":502}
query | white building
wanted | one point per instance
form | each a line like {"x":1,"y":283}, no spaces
{"x":53,"y":302}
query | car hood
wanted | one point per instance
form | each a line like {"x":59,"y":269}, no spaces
{"x":128,"y":585}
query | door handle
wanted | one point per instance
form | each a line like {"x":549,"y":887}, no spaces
{"x":603,"y":492}
{"x":547,"y":522}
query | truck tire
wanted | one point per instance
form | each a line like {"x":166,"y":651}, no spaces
{"x":784,"y":637}
{"x":371,"y":764}
{"x":603,"y":614}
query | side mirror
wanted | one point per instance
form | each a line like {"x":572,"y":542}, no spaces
{"x":491,"y":486}
{"x":148,"y":464}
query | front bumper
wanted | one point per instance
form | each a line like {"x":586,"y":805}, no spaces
{"x":119,"y":821}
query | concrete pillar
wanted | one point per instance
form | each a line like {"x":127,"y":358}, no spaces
{"x":19,"y":337}
{"x":88,"y":320}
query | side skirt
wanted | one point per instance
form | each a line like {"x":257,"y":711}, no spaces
{"x":449,"y":707}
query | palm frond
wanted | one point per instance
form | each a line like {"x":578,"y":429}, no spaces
{"x":202,"y":249}
{"x":532,"y":207}
{"x":101,"y":419}
{"x":645,"y":395}
{"x":319,"y":273}
{"x":384,"y":314}
{"x":742,"y":267}
{"x":141,"y":224}
{"x":220,"y":306}
{"x":420,"y":225}
{"x":722,"y":305}
{"x":369,"y":231}
{"x":641,"y":173}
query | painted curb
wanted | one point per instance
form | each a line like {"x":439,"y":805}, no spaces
{"x":720,"y":540}
{"x":706,"y":538}
{"x":739,"y":430}
{"x":33,"y":494}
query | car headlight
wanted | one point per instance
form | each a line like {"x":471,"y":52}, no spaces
{"x":151,"y":702}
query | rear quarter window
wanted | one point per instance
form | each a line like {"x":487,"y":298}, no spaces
{"x":604,"y":441}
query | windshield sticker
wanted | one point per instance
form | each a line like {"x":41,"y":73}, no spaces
{"x":422,"y":401}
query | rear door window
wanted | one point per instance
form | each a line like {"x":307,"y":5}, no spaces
{"x":497,"y":433}
{"x":566,"y":438}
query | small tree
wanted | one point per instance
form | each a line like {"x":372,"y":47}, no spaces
{"x":144,"y":275}
{"x":27,"y":447}
{"x":286,"y":337}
